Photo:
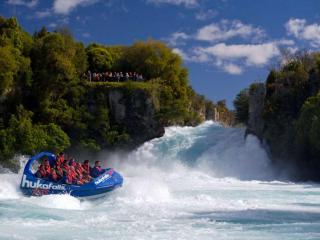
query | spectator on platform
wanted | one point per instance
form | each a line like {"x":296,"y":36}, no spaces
{"x":89,"y":76}
{"x":114,"y":76}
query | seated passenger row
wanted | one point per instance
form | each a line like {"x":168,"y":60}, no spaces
{"x":69,"y":171}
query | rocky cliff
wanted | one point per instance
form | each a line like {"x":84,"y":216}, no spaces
{"x":122,"y":116}
{"x":135,"y":112}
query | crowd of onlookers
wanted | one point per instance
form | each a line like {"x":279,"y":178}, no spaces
{"x":68,"y":170}
{"x":114,"y":76}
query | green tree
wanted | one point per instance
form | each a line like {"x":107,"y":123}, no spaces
{"x":12,"y":34}
{"x":153,"y":59}
{"x":58,"y":63}
{"x":24,"y":137}
{"x":99,"y":58}
{"x":241,"y":104}
{"x":8,"y":68}
{"x":308,"y":125}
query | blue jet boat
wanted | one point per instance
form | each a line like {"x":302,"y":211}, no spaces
{"x":34,"y":186}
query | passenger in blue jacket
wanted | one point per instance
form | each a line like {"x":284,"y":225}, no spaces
{"x":96,"y":171}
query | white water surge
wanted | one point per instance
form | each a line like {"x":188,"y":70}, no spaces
{"x":205,"y":182}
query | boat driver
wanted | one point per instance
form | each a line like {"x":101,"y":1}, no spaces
{"x":96,"y":171}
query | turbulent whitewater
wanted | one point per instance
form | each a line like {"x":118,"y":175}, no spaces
{"x":205,"y":182}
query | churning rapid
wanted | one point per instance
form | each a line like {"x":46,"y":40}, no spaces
{"x":205,"y":182}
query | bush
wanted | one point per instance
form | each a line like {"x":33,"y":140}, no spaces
{"x":21,"y":136}
{"x":308,"y":125}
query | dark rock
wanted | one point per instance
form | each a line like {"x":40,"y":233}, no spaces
{"x":135,"y":111}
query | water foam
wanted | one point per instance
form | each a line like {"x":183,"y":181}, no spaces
{"x":65,"y":201}
{"x":9,"y":186}
{"x":208,"y":148}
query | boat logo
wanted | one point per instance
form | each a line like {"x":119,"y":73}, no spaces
{"x":100,"y":180}
{"x":30,"y":184}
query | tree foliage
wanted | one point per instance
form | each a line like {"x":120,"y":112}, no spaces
{"x":8,"y":69}
{"x":308,"y":125}
{"x":23,"y":136}
{"x":103,"y":58}
{"x":241,"y":104}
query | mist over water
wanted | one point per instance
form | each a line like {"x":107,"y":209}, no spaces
{"x":204,"y":182}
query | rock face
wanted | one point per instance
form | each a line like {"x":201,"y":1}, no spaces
{"x":255,"y":124}
{"x":280,"y":112}
{"x":135,"y":112}
{"x":202,"y":113}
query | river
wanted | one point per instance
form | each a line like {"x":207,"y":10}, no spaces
{"x":204,"y":182}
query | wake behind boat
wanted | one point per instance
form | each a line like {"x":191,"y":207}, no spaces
{"x":31,"y":185}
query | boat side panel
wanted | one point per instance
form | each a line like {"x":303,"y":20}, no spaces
{"x":38,"y":187}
